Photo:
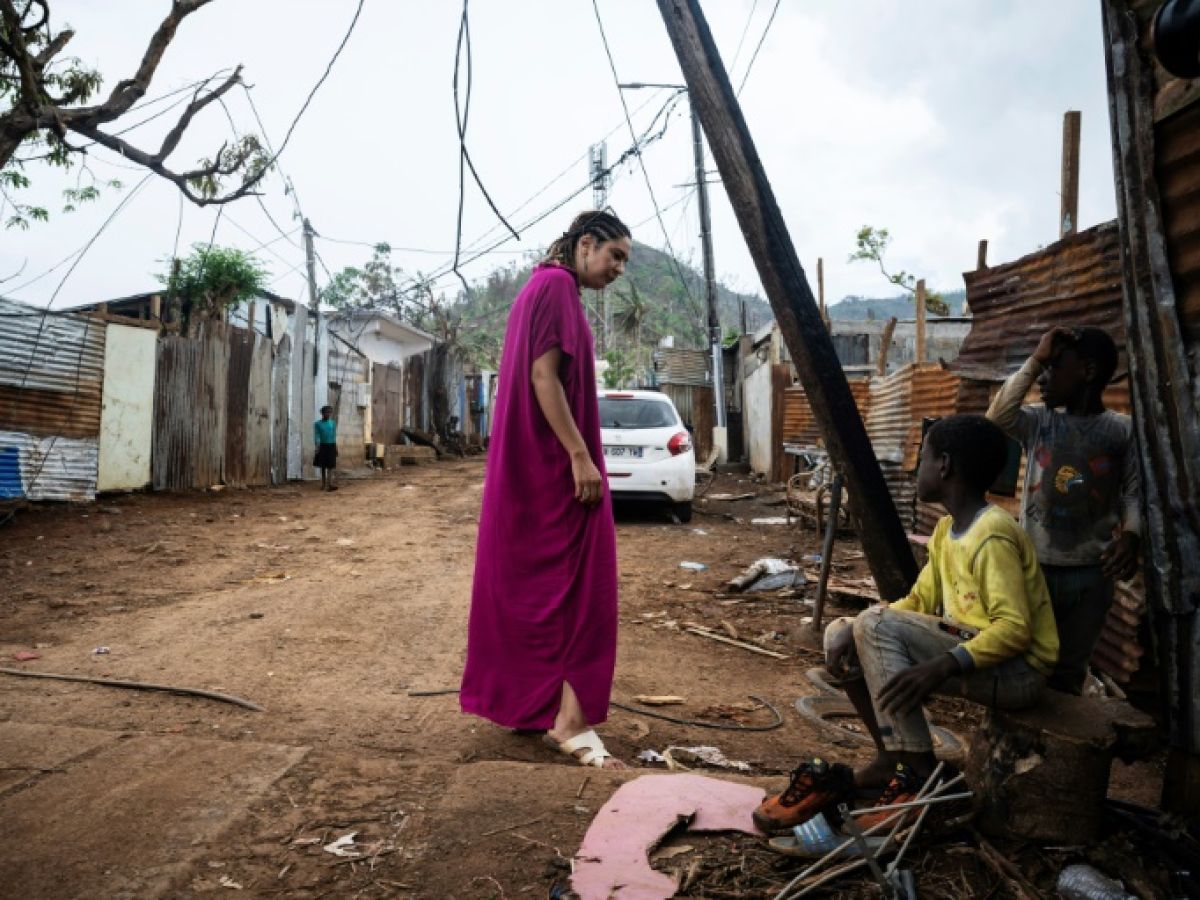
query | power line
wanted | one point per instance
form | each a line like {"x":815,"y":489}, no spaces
{"x":761,"y":40}
{"x":641,"y":162}
{"x":742,"y":39}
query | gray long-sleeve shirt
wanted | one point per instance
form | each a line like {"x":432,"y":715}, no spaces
{"x":1081,"y":474}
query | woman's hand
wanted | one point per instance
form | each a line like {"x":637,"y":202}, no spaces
{"x":589,"y":484}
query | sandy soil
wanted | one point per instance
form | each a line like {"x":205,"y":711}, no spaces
{"x":328,"y":610}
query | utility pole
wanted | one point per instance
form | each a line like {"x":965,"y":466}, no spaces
{"x":320,"y":368}
{"x":720,"y":434}
{"x":883,"y":539}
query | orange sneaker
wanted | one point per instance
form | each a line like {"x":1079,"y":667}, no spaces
{"x":814,"y":786}
{"x":903,"y":788}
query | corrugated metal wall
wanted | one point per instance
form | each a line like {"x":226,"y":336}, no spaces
{"x":695,"y":405}
{"x":674,"y":365}
{"x":348,"y":392}
{"x":51,"y":383}
{"x":281,"y":373}
{"x":1178,"y":174}
{"x":213,"y":411}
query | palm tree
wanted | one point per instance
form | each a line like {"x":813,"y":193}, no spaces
{"x":629,"y":320}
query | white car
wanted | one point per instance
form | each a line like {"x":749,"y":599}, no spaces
{"x":647,"y":450}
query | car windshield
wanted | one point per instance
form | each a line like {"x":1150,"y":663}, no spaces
{"x":635,"y":413}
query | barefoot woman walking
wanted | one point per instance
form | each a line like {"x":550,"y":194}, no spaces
{"x":542,"y":639}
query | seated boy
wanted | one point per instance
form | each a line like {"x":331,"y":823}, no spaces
{"x":1081,"y":487}
{"x":977,"y":624}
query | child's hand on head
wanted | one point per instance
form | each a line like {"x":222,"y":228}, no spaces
{"x":1052,"y":342}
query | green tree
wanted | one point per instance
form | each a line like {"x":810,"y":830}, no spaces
{"x":45,"y":108}
{"x":619,"y":372}
{"x":871,"y":244}
{"x":210,"y":280}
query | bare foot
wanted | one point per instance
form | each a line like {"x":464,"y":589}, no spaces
{"x":875,"y":774}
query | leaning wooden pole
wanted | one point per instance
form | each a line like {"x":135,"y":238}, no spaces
{"x":809,"y":343}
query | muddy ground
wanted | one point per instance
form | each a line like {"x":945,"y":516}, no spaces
{"x":329,"y":610}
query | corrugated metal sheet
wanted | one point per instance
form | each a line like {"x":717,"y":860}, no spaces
{"x":47,"y":468}
{"x":258,"y":414}
{"x":1177,"y":158}
{"x":190,"y":416}
{"x":347,"y":382}
{"x":51,"y":372}
{"x":799,"y":423}
{"x":1074,"y":281}
{"x":695,"y":405}
{"x":674,"y":365}
{"x":237,"y":396}
{"x":281,"y":371}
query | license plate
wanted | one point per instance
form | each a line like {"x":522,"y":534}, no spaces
{"x":623,"y":452}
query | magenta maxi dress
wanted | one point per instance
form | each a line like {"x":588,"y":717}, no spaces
{"x":544,"y":603}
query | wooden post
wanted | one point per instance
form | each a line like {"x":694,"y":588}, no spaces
{"x":981,"y":257}
{"x":156,"y":308}
{"x":821,"y":290}
{"x":919,"y":350}
{"x":1068,"y":216}
{"x":809,"y":343}
{"x":885,"y":346}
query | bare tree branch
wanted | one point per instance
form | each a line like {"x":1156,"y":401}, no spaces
{"x":171,"y":141}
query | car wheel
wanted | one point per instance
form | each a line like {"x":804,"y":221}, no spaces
{"x":683,"y":511}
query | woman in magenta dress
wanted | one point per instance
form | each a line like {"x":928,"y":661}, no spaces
{"x":542,"y":638}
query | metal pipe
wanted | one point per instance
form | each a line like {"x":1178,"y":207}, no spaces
{"x":835,"y":505}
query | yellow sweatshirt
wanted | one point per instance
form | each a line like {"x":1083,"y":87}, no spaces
{"x":988,"y":581}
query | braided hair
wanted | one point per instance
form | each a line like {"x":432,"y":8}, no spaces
{"x":601,"y":224}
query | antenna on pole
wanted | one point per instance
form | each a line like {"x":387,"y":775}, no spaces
{"x":601,"y":179}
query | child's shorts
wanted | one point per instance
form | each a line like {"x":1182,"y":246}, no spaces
{"x":326,"y":457}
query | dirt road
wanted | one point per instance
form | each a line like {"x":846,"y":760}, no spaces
{"x":328,"y":610}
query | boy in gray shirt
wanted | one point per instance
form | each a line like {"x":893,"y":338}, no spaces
{"x":1080,"y":500}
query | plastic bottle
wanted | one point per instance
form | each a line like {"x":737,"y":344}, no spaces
{"x":1080,"y":882}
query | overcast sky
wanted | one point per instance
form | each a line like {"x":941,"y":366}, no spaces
{"x":940,"y":120}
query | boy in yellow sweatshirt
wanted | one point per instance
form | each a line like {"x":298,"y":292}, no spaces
{"x":977,"y":623}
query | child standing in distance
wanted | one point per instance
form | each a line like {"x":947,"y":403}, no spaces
{"x":976,"y":624}
{"x":325,"y":437}
{"x":1080,"y":501}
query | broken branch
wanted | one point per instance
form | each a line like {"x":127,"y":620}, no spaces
{"x":137,"y":686}
{"x":754,"y":648}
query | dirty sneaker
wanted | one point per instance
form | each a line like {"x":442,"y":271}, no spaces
{"x":814,"y":786}
{"x":903,"y":788}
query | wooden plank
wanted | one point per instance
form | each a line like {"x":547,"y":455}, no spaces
{"x":808,"y":341}
{"x":919,"y":352}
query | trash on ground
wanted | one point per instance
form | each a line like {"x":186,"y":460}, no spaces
{"x":26,"y":655}
{"x":227,"y":882}
{"x":344,"y":846}
{"x":813,"y":558}
{"x":1082,"y":882}
{"x":685,"y":758}
{"x":783,"y":573}
{"x":700,"y":531}
{"x":613,"y":857}
{"x":345,"y":542}
{"x":782,"y":581}
{"x":730,"y":497}
{"x":101,"y":651}
{"x":771,"y":520}
{"x":693,"y":566}
{"x":659,"y":699}
{"x":650,"y":756}
{"x":665,"y":853}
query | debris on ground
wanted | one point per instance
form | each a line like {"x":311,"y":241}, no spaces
{"x":771,"y":520}
{"x":615,"y":851}
{"x":693,"y":566}
{"x":659,"y":699}
{"x":767,"y":567}
{"x":26,"y":656}
{"x":685,"y":758}
{"x":729,"y":498}
{"x":1083,"y":882}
